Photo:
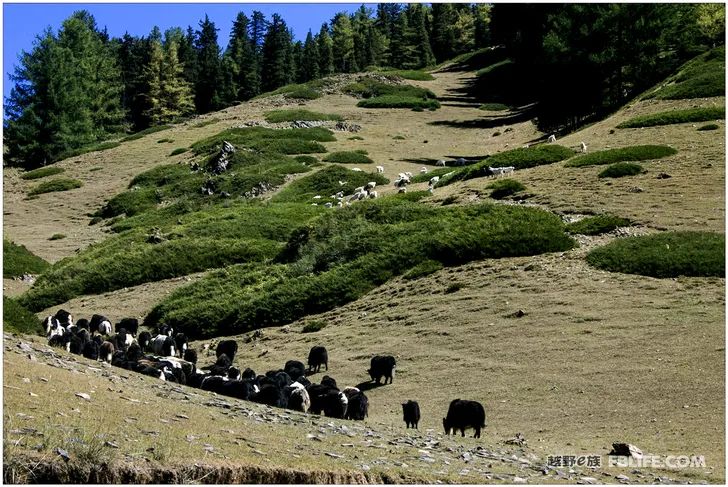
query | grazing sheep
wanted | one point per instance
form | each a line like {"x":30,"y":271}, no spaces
{"x":440,"y":163}
{"x":434,"y":181}
{"x":373,"y":194}
{"x":423,"y":170}
{"x":403,"y":189}
{"x":552,"y":138}
{"x":370,"y":185}
{"x":356,"y":169}
{"x":380,"y":169}
{"x":583,"y":147}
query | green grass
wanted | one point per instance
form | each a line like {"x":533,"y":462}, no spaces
{"x":41,"y":172}
{"x":624,"y":154}
{"x":17,"y":260}
{"x":57,"y":236}
{"x":521,"y":158}
{"x":325,"y":182}
{"x":494,"y":67}
{"x":313,"y":326}
{"x":205,"y":123}
{"x":262,"y":138}
{"x":597,"y":225}
{"x":494,"y":107}
{"x":17,"y":319}
{"x":665,"y":255}
{"x":310,"y":161}
{"x":60,"y":184}
{"x":504,"y":187}
{"x":675,"y":116}
{"x":348,"y":157}
{"x":709,"y":126}
{"x":275,"y":116}
{"x":701,"y":77}
{"x":344,"y":254}
{"x":356,"y":137}
{"x":621,"y":169}
{"x":142,"y":133}
{"x":178,"y":150}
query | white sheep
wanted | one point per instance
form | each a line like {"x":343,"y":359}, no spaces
{"x":328,"y":205}
{"x":583,"y":147}
{"x":371,"y":185}
{"x":440,"y":163}
{"x":423,"y":170}
{"x":356,"y":169}
{"x":380,"y":169}
{"x":403,"y":189}
{"x":552,"y":138}
{"x":434,"y":181}
{"x":317,"y":197}
{"x":373,"y":194}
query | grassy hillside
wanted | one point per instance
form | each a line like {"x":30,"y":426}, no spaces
{"x":17,"y":260}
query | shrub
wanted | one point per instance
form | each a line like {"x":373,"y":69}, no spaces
{"x":520,"y":158}
{"x":345,"y":253}
{"x":348,"y":157}
{"x":356,"y":137}
{"x":399,"y":137}
{"x":493,"y":67}
{"x":17,"y":319}
{"x":250,"y":136}
{"x":454,"y":287}
{"x":504,"y":187}
{"x":313,"y":325}
{"x":57,"y":236}
{"x":496,"y":133}
{"x":709,"y":126}
{"x":423,"y":269}
{"x":675,"y":116}
{"x":275,"y":116}
{"x":494,"y":107}
{"x":701,"y":77}
{"x":596,"y":225}
{"x":395,"y":101}
{"x":61,"y":184}
{"x":301,"y":91}
{"x":621,"y":169}
{"x":142,"y":133}
{"x":368,"y":88}
{"x":41,"y":172}
{"x":425,"y":177}
{"x":449,"y":200}
{"x":610,"y":156}
{"x":412,"y":74}
{"x":17,"y":260}
{"x":165,"y":140}
{"x":288,"y":146}
{"x":131,"y":203}
{"x":177,"y":151}
{"x":325,"y":182}
{"x":307,"y":160}
{"x":664,"y":255}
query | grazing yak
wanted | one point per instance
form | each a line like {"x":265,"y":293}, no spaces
{"x":411,"y":413}
{"x":462,"y":415}
{"x":382,"y":366}
{"x":227,"y":347}
{"x":317,"y":357}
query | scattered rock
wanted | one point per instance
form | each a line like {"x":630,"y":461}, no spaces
{"x":83,"y":395}
{"x":635,"y":189}
{"x":333,"y":455}
{"x":182,"y":416}
{"x":626,"y":450}
{"x":663,"y":175}
{"x":63,"y":454}
{"x":111,"y":444}
{"x":519,"y":480}
{"x":25,"y":347}
{"x":587,"y":480}
{"x":517,"y":440}
{"x":622,"y":478}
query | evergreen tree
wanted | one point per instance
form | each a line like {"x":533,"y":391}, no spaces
{"x":243,"y":63}
{"x":419,"y":39}
{"x":297,"y":61}
{"x":310,"y":61}
{"x":342,"y":36}
{"x":443,"y":31}
{"x":326,"y":51}
{"x":188,"y":56}
{"x":170,"y":96}
{"x":400,"y":50}
{"x":207,"y":76}
{"x":276,"y":55}
{"x":481,"y":14}
{"x":258,"y":28}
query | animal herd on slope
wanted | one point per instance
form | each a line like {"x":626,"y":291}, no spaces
{"x":167,"y":356}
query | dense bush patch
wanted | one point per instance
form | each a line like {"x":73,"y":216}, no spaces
{"x":423,"y":269}
{"x":425,"y":177}
{"x":621,"y":169}
{"x":596,"y":225}
{"x":675,"y":116}
{"x":313,"y":326}
{"x":709,"y":126}
{"x":57,"y":236}
{"x":348,"y":157}
{"x":17,"y":319}
{"x":494,"y":107}
{"x":520,"y":158}
{"x":610,"y":156}
{"x":702,"y":77}
{"x":396,"y":101}
{"x":413,"y":74}
{"x":254,"y":137}
{"x":177,"y":151}
{"x":17,"y":260}
{"x":670,"y":254}
{"x":275,"y":116}
{"x":325,"y":182}
{"x":42,"y":172}
{"x":347,"y":252}
{"x":60,"y":184}
{"x":504,"y":187}
{"x":377,"y":94}
{"x":304,"y":91}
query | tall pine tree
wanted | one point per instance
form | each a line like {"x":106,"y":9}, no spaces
{"x":207,"y":75}
{"x":342,"y":36}
{"x":326,"y":51}
{"x":276,"y":55}
{"x":309,"y":63}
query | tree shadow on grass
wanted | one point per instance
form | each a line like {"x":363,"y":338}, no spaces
{"x":512,"y":117}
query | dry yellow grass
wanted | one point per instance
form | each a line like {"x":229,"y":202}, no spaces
{"x":597,"y":358}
